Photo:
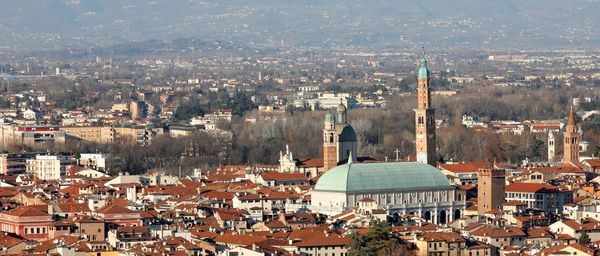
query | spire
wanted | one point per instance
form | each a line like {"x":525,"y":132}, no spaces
{"x":350,"y":158}
{"x":423,"y":70}
{"x":571,"y":117}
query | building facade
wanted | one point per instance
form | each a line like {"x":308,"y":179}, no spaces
{"x":97,"y":134}
{"x":47,"y":167}
{"x":541,"y":196}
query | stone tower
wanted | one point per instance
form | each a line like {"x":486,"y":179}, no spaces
{"x":339,"y":138}
{"x":490,"y":190}
{"x":425,"y":119}
{"x":329,"y":145}
{"x":571,"y":141}
{"x":551,"y":147}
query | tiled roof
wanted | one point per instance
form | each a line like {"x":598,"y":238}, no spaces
{"x":27,"y":211}
{"x":238,"y":239}
{"x":114,"y":209}
{"x":323,"y":241}
{"x":449,"y":237}
{"x":488,"y":231}
{"x":530,"y":187}
{"x":278,"y":176}
{"x":464,"y":167}
{"x":311,"y":162}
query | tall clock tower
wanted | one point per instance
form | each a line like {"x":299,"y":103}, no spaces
{"x":425,"y":119}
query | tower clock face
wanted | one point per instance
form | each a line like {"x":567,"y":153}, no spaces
{"x":421,"y":157}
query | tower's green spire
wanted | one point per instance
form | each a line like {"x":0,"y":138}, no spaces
{"x":423,"y":70}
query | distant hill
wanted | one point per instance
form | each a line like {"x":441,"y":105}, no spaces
{"x":380,"y":23}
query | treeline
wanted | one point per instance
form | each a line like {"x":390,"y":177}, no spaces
{"x":380,"y":133}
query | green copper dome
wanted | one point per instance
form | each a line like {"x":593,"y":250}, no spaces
{"x":423,"y":71}
{"x":389,"y":176}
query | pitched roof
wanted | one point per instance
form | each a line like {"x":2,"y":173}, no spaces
{"x":27,"y":211}
{"x":559,"y":249}
{"x":238,"y":239}
{"x":450,"y":237}
{"x":316,"y":241}
{"x":311,"y":162}
{"x":530,"y":187}
{"x":464,"y":167}
{"x":488,"y":231}
{"x":115,"y":209}
{"x":278,"y":176}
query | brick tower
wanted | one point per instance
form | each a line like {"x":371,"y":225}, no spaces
{"x":425,"y":119}
{"x":329,"y":143}
{"x":571,"y":141}
{"x":339,"y":138}
{"x":490,"y":189}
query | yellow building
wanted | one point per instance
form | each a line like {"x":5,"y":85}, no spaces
{"x":136,"y":133}
{"x":98,"y":134}
{"x":449,"y":244}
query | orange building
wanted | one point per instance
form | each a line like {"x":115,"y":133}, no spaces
{"x":26,"y":221}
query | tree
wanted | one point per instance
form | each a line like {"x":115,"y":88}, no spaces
{"x":241,"y":104}
{"x":584,"y":238}
{"x":188,"y":110}
{"x":376,"y":242}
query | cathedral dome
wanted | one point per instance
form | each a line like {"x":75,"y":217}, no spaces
{"x":329,"y":119}
{"x":341,"y":108}
{"x":347,"y":134}
{"x":388,"y":176}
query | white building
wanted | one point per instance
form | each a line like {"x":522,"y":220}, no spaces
{"x":46,"y":167}
{"x":94,"y":160}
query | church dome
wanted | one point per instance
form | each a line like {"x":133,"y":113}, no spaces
{"x":341,"y":108}
{"x":329,"y":119}
{"x":347,"y":134}
{"x":388,"y":176}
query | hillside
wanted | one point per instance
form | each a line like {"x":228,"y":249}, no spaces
{"x":399,"y":23}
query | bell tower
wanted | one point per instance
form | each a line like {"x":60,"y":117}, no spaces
{"x":571,"y":141}
{"x":425,"y":144}
{"x":329,"y":142}
{"x":551,"y":147}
